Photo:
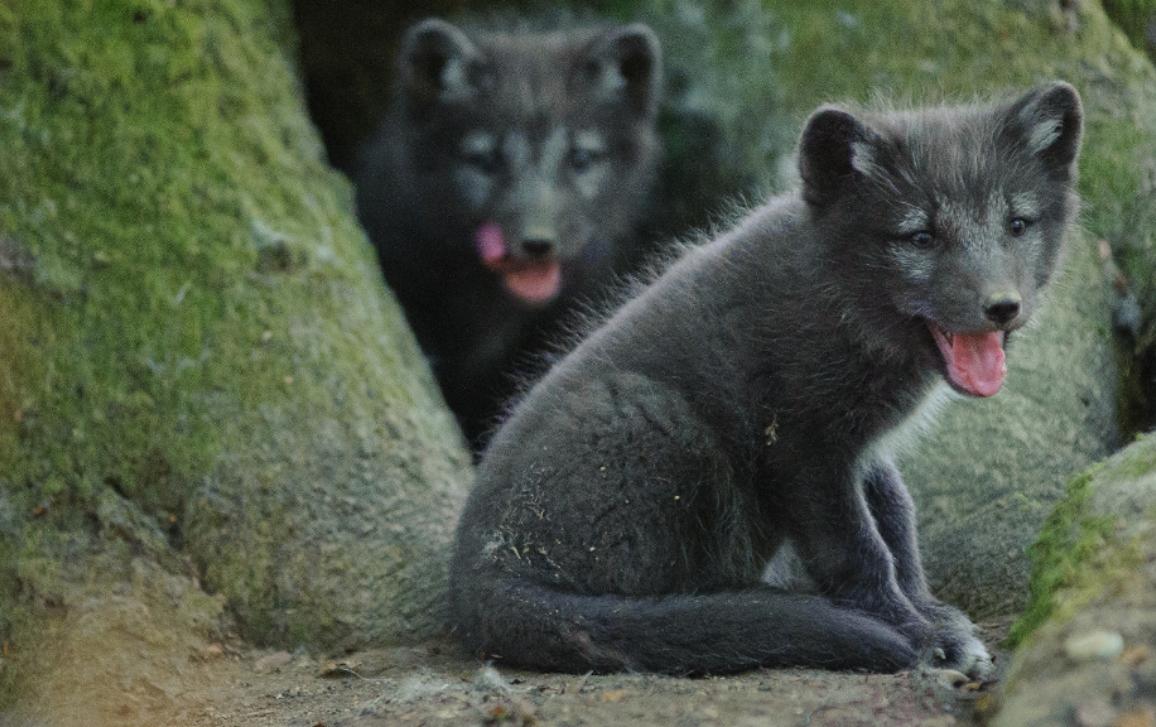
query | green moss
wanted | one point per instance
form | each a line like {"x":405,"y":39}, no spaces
{"x":1135,"y":18}
{"x":1081,"y":552}
{"x":111,"y":162}
{"x":1068,"y":540}
{"x":1134,"y":462}
{"x":196,"y":316}
{"x":63,"y":625}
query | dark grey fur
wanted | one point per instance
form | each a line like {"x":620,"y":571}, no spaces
{"x":751,"y":397}
{"x":487,"y":126}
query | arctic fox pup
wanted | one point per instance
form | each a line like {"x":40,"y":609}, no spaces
{"x":623,"y":515}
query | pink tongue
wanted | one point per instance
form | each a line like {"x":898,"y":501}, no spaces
{"x":532,"y":282}
{"x":535,"y":283}
{"x":976,"y":362}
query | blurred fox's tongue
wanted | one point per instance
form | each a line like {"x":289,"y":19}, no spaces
{"x":975,"y":361}
{"x":490,"y":243}
{"x":536,"y":283}
{"x":533,"y":282}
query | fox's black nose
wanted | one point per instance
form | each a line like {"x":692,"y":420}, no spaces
{"x":538,"y":247}
{"x":1002,"y":307}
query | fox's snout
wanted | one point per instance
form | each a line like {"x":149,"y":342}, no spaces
{"x":1003,"y":307}
{"x":538,"y":243}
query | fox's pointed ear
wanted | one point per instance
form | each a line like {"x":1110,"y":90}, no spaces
{"x":835,"y":148}
{"x":438,"y":62}
{"x":1050,"y":119}
{"x":624,"y":64}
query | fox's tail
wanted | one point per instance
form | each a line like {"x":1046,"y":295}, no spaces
{"x":530,"y":625}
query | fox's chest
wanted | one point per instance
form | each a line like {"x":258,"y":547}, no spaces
{"x":904,"y":435}
{"x":849,"y":429}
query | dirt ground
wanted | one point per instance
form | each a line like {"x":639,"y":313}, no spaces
{"x":434,"y":684}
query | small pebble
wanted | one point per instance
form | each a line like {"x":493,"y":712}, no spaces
{"x":272,"y":662}
{"x":1094,"y":645}
{"x":1096,"y":713}
{"x":488,"y":679}
{"x":1135,"y":655}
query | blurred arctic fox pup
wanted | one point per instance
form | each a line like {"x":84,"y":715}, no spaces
{"x":511,"y":167}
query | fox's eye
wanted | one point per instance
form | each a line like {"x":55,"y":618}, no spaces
{"x":921,"y":239}
{"x":582,"y":159}
{"x":1018,"y":226}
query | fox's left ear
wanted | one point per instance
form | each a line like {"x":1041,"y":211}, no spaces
{"x":1050,"y":119}
{"x":624,"y":64}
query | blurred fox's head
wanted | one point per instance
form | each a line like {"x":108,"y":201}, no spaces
{"x":531,"y":152}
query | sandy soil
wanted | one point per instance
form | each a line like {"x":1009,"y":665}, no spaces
{"x":434,"y":684}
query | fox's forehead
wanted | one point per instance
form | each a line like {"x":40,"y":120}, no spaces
{"x":532,"y":72}
{"x":967,"y":143}
{"x":521,"y":107}
{"x":541,"y":76}
{"x":953,"y":158}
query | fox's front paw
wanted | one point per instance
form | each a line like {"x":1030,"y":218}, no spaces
{"x":962,"y":652}
{"x":954,"y":643}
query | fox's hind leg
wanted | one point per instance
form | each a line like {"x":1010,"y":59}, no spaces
{"x":955,"y":644}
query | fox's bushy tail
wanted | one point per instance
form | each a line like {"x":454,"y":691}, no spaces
{"x":526,"y":624}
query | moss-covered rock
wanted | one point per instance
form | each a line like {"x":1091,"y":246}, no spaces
{"x":201,"y":370}
{"x":1088,"y":639}
{"x":1137,"y":18}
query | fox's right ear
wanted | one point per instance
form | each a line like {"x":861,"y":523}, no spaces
{"x":438,"y":62}
{"x":624,"y":64}
{"x":835,"y":148}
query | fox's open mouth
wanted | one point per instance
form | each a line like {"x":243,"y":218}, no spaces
{"x":533,"y":281}
{"x":974,"y":362}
